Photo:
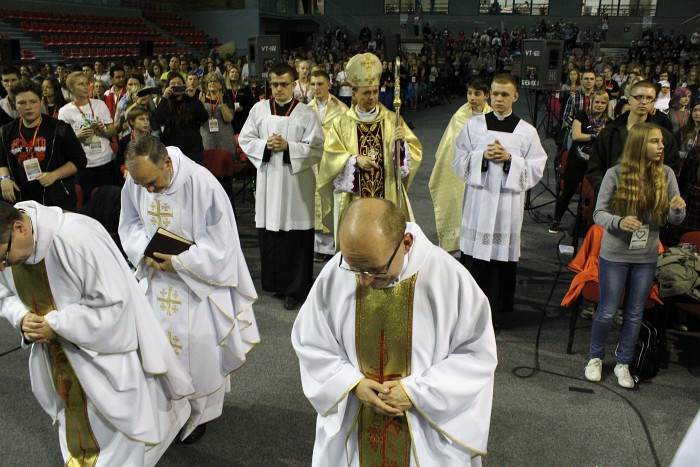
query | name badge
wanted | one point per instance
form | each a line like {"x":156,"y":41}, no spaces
{"x":639,"y":238}
{"x":213,"y":126}
{"x":32,"y":168}
{"x":413,"y":79}
{"x":95,"y":145}
{"x":383,"y":89}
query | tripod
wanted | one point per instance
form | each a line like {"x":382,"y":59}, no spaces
{"x":542,"y":100}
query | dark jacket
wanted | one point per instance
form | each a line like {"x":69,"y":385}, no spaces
{"x":62,"y":146}
{"x":181,"y":120}
{"x":609,"y":144}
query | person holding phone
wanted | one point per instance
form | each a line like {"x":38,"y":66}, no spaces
{"x":181,"y":114}
{"x":92,"y":124}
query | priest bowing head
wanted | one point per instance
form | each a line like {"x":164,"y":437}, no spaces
{"x":374,"y":241}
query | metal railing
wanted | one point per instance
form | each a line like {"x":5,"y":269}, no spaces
{"x":416,"y":6}
{"x":487,"y":7}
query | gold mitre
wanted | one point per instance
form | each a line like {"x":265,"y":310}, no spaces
{"x":364,"y":70}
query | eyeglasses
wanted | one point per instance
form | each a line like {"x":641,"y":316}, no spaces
{"x":372,"y":275}
{"x":279,"y":85}
{"x":641,"y":98}
{"x":6,"y":261}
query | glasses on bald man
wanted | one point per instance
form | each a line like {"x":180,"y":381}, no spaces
{"x":384,"y":274}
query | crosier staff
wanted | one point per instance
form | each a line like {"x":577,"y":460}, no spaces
{"x":397,"y":143}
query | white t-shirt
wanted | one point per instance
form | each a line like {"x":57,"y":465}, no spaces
{"x":94,"y":111}
{"x":343,"y":91}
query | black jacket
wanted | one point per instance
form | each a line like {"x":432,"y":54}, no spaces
{"x":62,"y":146}
{"x":609,"y":144}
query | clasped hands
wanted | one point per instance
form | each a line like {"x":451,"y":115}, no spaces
{"x":36,"y":329}
{"x":388,"y":398}
{"x":368,"y":163}
{"x":166,"y":265}
{"x":276,"y":143}
{"x":495,"y":152}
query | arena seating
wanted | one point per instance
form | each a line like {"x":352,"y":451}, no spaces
{"x":77,"y":36}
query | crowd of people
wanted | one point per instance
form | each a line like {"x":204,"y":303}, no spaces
{"x":334,"y":168}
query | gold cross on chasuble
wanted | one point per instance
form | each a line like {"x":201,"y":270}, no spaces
{"x":169,"y":300}
{"x":34,"y":290}
{"x":383,"y":338}
{"x":160,"y":214}
{"x":371,"y":144}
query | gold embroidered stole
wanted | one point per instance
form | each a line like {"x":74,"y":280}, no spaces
{"x":383,"y":331}
{"x":370,"y":144}
{"x":33,"y":288}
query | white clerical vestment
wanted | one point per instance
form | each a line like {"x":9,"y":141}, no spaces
{"x":492,"y":215}
{"x":135,"y":389}
{"x":452,"y":361}
{"x":206,"y":306}
{"x":284,"y":197}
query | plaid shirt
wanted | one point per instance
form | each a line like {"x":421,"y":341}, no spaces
{"x":576,"y":103}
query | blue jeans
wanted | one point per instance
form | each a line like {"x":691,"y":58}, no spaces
{"x":634,"y":280}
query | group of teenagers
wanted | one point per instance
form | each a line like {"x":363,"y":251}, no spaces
{"x":631,"y":158}
{"x":391,"y":322}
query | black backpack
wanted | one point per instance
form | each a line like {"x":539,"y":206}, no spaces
{"x":645,"y":363}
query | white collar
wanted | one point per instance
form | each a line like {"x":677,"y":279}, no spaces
{"x":501,"y":118}
{"x":365,"y":116}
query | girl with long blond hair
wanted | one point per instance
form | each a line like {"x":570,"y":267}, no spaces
{"x":637,"y":196}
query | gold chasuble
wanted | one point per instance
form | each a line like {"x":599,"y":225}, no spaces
{"x":383,"y":331}
{"x":369,"y":137}
{"x":34,"y":290}
{"x":351,"y":136}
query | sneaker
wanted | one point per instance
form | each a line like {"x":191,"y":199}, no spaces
{"x":589,"y":311}
{"x":618,"y":318}
{"x":594,"y":369}
{"x":554,"y":227}
{"x":624,"y":378}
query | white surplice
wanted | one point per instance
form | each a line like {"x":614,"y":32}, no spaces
{"x":205,"y":307}
{"x":453,"y":359}
{"x":284,"y":197}
{"x":136,"y":390}
{"x":492,"y":215}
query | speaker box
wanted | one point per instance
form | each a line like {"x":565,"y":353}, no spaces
{"x":541,"y":64}
{"x":145,"y":49}
{"x":263,"y":53}
{"x":9,"y":50}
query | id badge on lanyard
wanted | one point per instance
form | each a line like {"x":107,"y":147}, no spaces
{"x":639,"y":238}
{"x":213,"y":125}
{"x":32,"y":169}
{"x":95,"y":146}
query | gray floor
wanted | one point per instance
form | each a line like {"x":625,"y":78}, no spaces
{"x":552,"y":417}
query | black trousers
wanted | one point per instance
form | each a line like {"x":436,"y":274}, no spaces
{"x":572,"y":177}
{"x":496,"y":279}
{"x":90,"y":178}
{"x":287,"y":262}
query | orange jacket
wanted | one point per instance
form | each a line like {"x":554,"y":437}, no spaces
{"x":585,"y":265}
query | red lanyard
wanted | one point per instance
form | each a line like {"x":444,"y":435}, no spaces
{"x":235,"y":95}
{"x":213,"y":105}
{"x":291,"y":106}
{"x":25,"y":143}
{"x":83,"y":113}
{"x":681,"y":123}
